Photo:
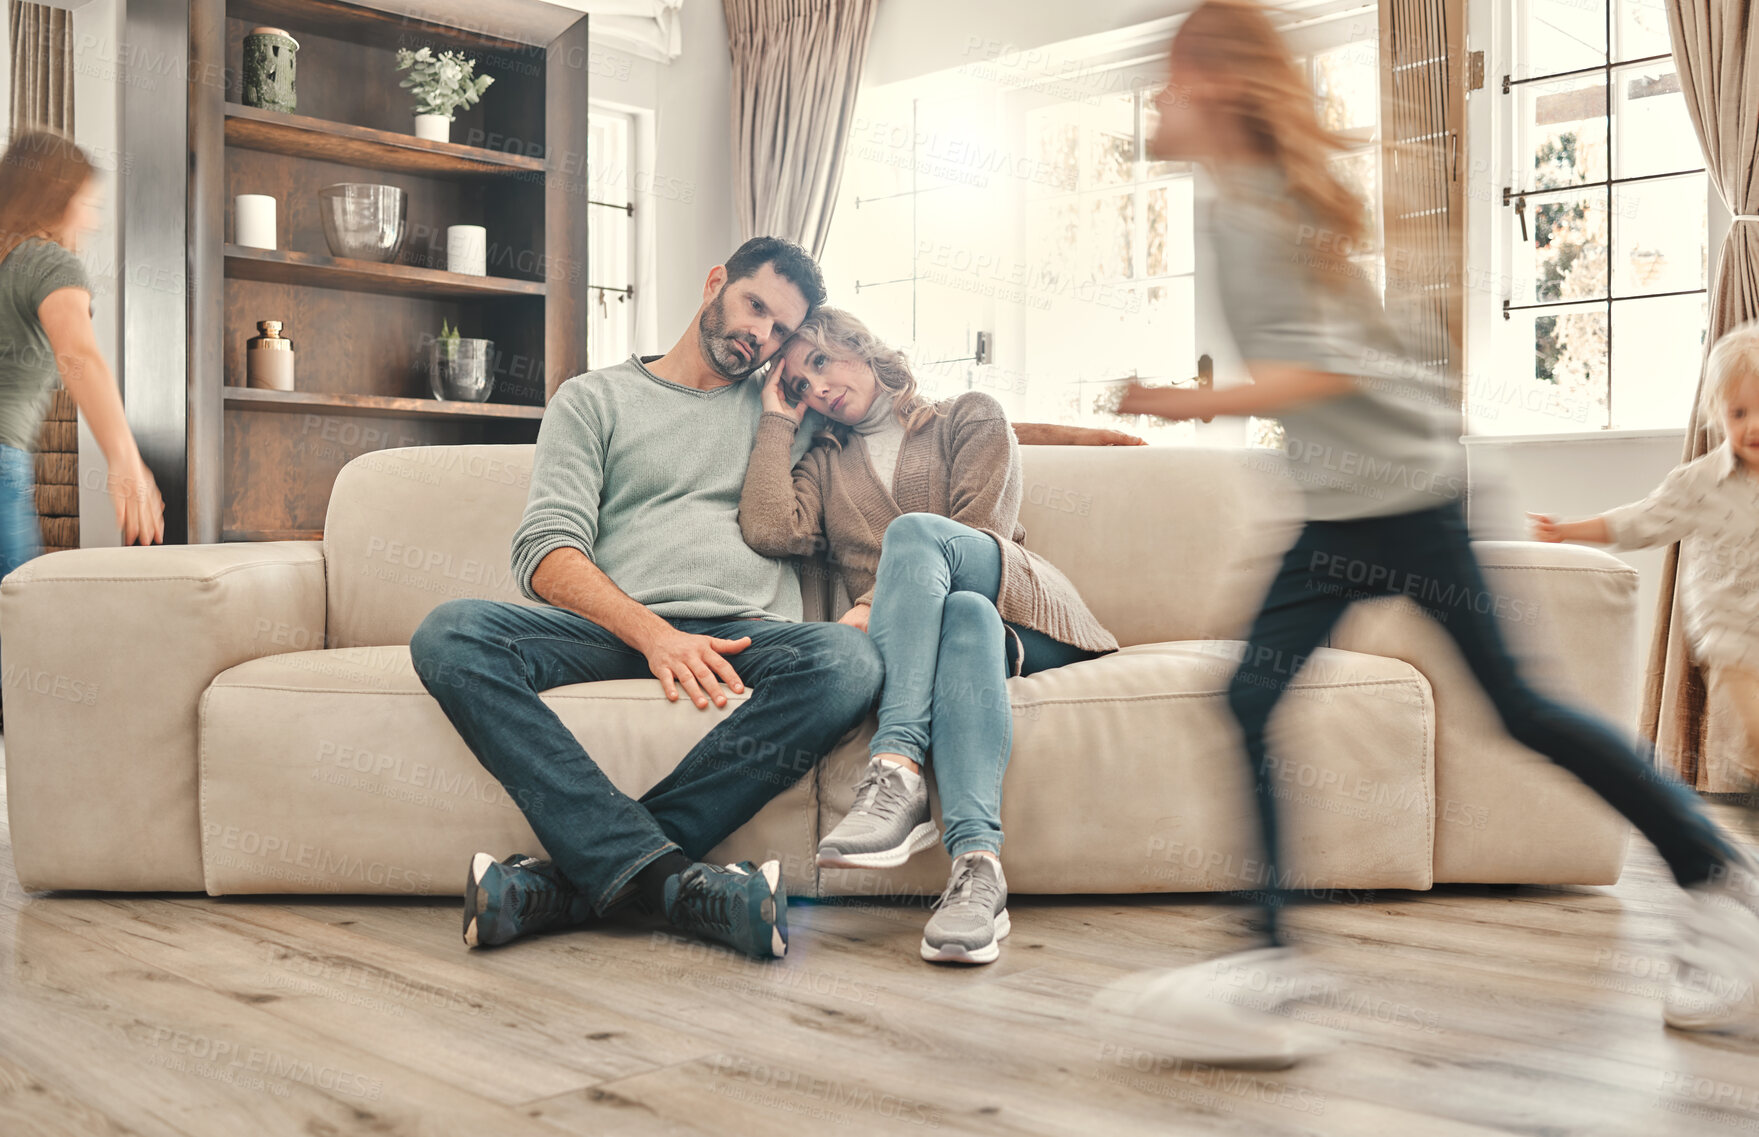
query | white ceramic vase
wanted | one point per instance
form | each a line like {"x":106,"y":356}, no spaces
{"x":433,"y":127}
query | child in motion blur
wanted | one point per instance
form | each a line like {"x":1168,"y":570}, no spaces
{"x":1377,"y":454}
{"x":49,"y":203}
{"x":1711,"y":505}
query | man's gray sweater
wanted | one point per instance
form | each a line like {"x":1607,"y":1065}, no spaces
{"x":643,"y":476}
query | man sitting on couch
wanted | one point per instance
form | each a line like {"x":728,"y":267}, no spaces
{"x":631,"y":535}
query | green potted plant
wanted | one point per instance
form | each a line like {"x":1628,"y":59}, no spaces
{"x":459,"y":368}
{"x":441,"y":84}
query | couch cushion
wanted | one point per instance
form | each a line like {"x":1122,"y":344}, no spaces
{"x":1127,"y":776}
{"x":408,"y":528}
{"x":1505,"y":814}
{"x":335,"y":771}
{"x":1164,"y":543}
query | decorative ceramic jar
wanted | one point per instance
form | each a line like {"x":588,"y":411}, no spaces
{"x":269,"y":55}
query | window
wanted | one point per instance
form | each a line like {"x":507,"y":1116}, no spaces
{"x":1021,"y":207}
{"x":610,"y":238}
{"x":1601,"y":226}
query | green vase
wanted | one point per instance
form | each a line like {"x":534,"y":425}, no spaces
{"x":268,"y":70}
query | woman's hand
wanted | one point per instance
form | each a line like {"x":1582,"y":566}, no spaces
{"x":775,"y":400}
{"x":856,"y":617}
{"x":140,"y":511}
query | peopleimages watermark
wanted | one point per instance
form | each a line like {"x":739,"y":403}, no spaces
{"x":225,"y":1060}
{"x":792,"y":1091}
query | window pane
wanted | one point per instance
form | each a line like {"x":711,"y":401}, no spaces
{"x":1642,"y":30}
{"x":1360,"y":173}
{"x":1565,"y":259}
{"x":1057,"y":141}
{"x":1558,"y":35}
{"x":1550,"y":378}
{"x":1652,"y":132}
{"x":1347,"y":81}
{"x":1112,"y":142}
{"x":1657,"y":348}
{"x":1170,"y":228}
{"x":1053,"y":236}
{"x":1661,"y":240}
{"x":1562,"y":128}
{"x":1111,"y":219}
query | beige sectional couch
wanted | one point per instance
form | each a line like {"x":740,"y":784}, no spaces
{"x":244,"y":718}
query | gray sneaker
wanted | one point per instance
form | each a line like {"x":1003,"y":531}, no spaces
{"x":972,"y":914}
{"x":888,"y":824}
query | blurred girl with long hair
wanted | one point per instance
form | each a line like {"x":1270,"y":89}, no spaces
{"x":49,"y":203}
{"x":1374,"y":445}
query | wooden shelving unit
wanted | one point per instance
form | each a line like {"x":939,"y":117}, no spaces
{"x":380,"y":406}
{"x":278,"y":266}
{"x":365,"y":148}
{"x":261,"y":463}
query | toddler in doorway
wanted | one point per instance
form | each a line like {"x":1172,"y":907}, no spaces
{"x":1711,"y":506}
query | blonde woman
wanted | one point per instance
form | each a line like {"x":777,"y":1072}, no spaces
{"x":917,"y":505}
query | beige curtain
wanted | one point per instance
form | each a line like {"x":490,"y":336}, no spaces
{"x":1716,"y":48}
{"x":1423,"y":106}
{"x":42,"y":67}
{"x":796,"y":72}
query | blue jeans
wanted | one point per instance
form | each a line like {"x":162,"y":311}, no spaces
{"x":484,"y":661}
{"x":1428,"y":556}
{"x":21,"y":535}
{"x":935,"y":624}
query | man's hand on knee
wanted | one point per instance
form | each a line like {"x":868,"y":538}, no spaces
{"x":697,"y":663}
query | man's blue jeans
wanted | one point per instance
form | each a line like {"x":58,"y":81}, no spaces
{"x":807,"y":684}
{"x":936,"y":626}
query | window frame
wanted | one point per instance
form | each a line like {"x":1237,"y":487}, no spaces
{"x":1496,"y":174}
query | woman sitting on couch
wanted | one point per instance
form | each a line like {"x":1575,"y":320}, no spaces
{"x":953,"y":600}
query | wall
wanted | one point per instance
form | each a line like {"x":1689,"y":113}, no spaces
{"x":919,"y":37}
{"x":97,"y":32}
{"x":1573,"y":478}
{"x":684,"y":179}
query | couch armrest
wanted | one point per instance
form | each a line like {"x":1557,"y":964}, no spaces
{"x":104,"y":655}
{"x":1504,"y":814}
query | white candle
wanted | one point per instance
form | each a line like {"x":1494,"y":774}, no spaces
{"x":253,"y":220}
{"x":467,"y":249}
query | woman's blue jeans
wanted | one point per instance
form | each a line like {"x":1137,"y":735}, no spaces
{"x":21,"y":535}
{"x":936,"y":627}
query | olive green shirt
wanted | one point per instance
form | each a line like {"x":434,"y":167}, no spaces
{"x":28,"y":370}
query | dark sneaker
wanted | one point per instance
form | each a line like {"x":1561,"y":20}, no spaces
{"x":744,"y":906}
{"x":971,"y":917}
{"x":504,"y":900}
{"x":887,"y":825}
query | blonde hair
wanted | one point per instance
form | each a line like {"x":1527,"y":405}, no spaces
{"x":1273,"y":102}
{"x":40,"y":173}
{"x":1734,"y":357}
{"x":839,"y":334}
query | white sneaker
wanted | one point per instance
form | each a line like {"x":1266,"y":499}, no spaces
{"x":1716,"y":964}
{"x":1225,"y":1012}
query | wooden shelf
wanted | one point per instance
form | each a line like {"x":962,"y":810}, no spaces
{"x":376,"y":406}
{"x":355,"y":24}
{"x":283,"y":266}
{"x":304,"y":137}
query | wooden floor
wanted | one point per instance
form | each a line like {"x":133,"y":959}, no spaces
{"x":1466,"y":1010}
